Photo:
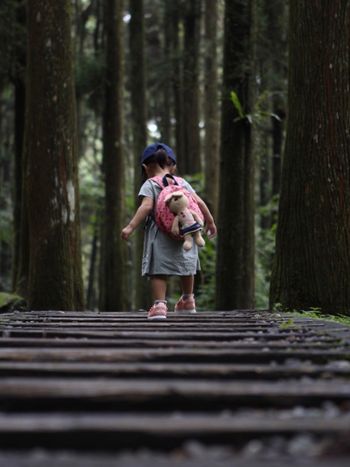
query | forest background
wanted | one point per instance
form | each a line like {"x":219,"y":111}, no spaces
{"x":207,"y":77}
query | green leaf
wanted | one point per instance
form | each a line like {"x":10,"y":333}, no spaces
{"x":237,"y":104}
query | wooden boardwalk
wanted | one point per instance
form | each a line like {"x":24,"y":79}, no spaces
{"x":206,"y":389}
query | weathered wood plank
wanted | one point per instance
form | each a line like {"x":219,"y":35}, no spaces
{"x":202,"y":334}
{"x":170,"y":424}
{"x":199,"y":456}
{"x":135,"y":342}
{"x":176,"y":370}
{"x":169,"y":322}
{"x":160,"y":393}
{"x":89,"y":354}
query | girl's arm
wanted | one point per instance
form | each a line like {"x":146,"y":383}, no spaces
{"x":143,"y":211}
{"x":210,"y":226}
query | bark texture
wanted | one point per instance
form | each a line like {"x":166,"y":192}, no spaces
{"x":51,"y":172}
{"x":177,"y":83}
{"x":235,"y":262}
{"x":19,"y":84}
{"x":113,"y":271}
{"x":211,"y":108}
{"x":312,"y":264}
{"x":190,"y":160}
{"x":139,"y":131}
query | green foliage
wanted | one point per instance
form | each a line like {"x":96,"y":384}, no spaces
{"x":260,"y":113}
{"x":237,"y":104}
{"x":289,"y":324}
{"x":10,"y":302}
{"x":316,"y":313}
{"x":313,"y":313}
{"x":197,"y":182}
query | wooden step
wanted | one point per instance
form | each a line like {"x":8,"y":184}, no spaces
{"x":158,"y":394}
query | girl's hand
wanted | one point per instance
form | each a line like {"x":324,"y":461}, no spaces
{"x":210,"y":229}
{"x":126,"y":232}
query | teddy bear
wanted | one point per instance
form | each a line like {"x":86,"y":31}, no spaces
{"x":187,"y":223}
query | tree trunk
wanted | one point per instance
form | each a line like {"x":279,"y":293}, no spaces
{"x":235,"y":262}
{"x":191,"y":157}
{"x":51,"y":174}
{"x":19,"y":142}
{"x":312,"y":264}
{"x":177,"y":83}
{"x":6,"y":129}
{"x":166,"y":133}
{"x":138,"y":113}
{"x":211,"y":109}
{"x":113,"y":158}
{"x":277,"y":75}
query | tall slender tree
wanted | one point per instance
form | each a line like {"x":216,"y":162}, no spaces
{"x":166,"y":127}
{"x":191,"y":161}
{"x":113,"y":258}
{"x":276,"y":20}
{"x":235,"y":263}
{"x":19,"y":84}
{"x":51,"y":172}
{"x":211,"y":107}
{"x":177,"y":83}
{"x":312,"y":264}
{"x":139,"y":129}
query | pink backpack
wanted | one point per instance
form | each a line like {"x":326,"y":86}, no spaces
{"x":163,"y":216}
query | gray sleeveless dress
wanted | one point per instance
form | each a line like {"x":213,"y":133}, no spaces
{"x":161,"y":254}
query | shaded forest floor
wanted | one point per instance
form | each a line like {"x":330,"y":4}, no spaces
{"x":256,"y":388}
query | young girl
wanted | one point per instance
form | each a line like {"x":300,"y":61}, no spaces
{"x":163,"y":256}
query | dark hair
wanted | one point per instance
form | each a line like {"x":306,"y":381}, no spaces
{"x":161,"y":158}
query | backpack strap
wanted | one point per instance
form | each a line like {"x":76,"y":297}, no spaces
{"x":163,"y":182}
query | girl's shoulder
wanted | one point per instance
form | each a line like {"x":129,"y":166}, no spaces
{"x":147,"y":189}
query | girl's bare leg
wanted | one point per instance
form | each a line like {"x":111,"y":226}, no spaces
{"x":158,"y":287}
{"x":187,"y":283}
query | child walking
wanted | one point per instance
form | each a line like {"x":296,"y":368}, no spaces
{"x":162,"y":255}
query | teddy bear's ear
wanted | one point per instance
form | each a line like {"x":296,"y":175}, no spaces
{"x":168,"y":198}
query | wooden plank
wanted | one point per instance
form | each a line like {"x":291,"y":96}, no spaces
{"x":182,"y":322}
{"x":205,"y":317}
{"x":218,"y":343}
{"x":171,"y":316}
{"x":199,"y":456}
{"x":119,"y":432}
{"x":168,"y":333}
{"x":157,"y":394}
{"x":176,"y":370}
{"x":169,"y":424}
{"x":90,"y":354}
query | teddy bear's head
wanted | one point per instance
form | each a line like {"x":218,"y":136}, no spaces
{"x":176,"y":201}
